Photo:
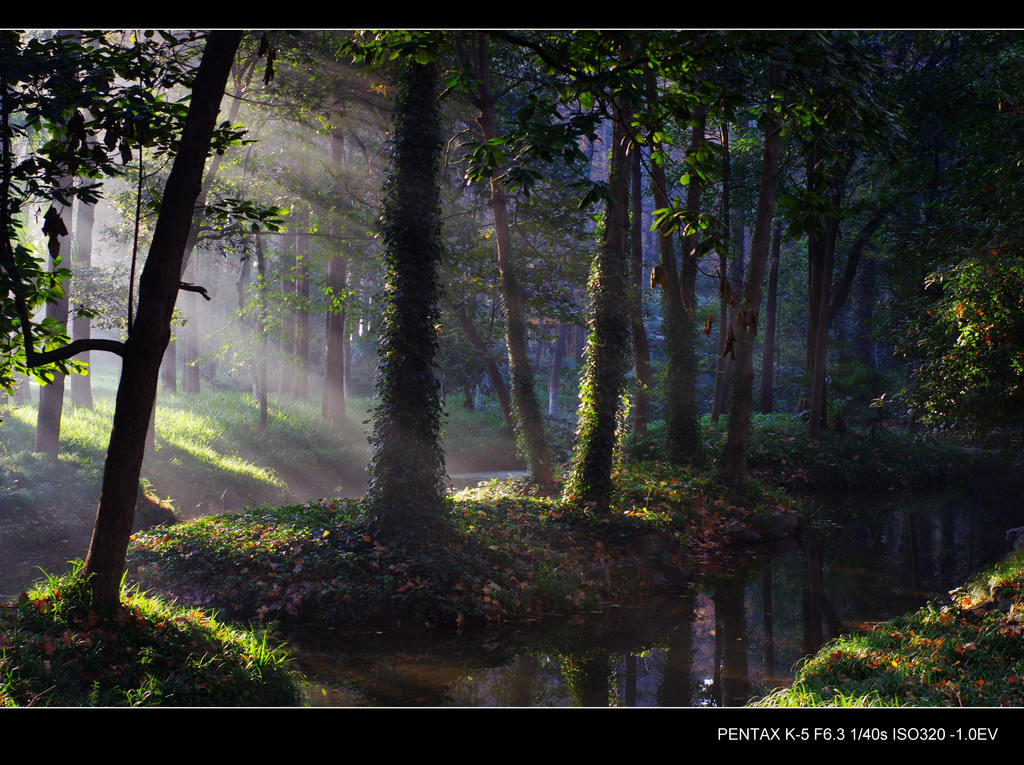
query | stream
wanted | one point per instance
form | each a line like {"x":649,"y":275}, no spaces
{"x":736,"y":633}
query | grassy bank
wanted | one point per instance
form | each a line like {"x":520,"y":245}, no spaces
{"x":55,"y":650}
{"x":968,"y":651}
{"x":510,"y":555}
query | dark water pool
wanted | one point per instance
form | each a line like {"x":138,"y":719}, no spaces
{"x":736,"y":633}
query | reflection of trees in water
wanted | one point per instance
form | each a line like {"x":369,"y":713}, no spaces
{"x":674,"y":690}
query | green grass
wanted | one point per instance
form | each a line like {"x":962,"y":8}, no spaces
{"x":967,"y":652}
{"x":55,"y":650}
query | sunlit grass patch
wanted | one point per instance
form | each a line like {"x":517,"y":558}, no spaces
{"x":967,"y":652}
{"x":56,"y":650}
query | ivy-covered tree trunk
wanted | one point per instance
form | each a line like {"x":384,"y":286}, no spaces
{"x":529,"y":419}
{"x":607,"y":352}
{"x":405,"y":497}
{"x":734,"y":460}
{"x":151,"y":329}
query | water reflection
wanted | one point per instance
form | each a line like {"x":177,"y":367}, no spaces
{"x":737,"y":632}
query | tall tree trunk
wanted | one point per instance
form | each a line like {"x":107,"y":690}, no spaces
{"x":688,"y":295}
{"x":734,"y":460}
{"x":641,"y":349}
{"x":262,"y":384}
{"x":405,"y":496}
{"x":529,"y":420}
{"x":300,"y":390}
{"x":768,"y":350}
{"x":51,"y":396}
{"x":81,"y":326}
{"x":190,"y":334}
{"x":555,"y":372}
{"x":151,"y":330}
{"x":680,"y":404}
{"x":603,"y":377}
{"x":722,"y":365}
{"x":332,"y":403}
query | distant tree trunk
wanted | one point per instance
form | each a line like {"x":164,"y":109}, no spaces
{"x":169,"y":368}
{"x":190,"y":367}
{"x":677,"y":328}
{"x":641,"y":349}
{"x":300,"y":390}
{"x":151,"y":329}
{"x":332,"y":403}
{"x":263,"y":331}
{"x":722,"y":364}
{"x":51,"y":396}
{"x":734,"y":460}
{"x":768,"y":349}
{"x":81,"y":326}
{"x":190,"y":334}
{"x":688,"y":289}
{"x":603,"y":377}
{"x":529,"y":421}
{"x":286,"y":377}
{"x":555,"y":373}
{"x":490,"y":367}
{"x":405,"y":497}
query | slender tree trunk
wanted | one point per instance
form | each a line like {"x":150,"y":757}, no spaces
{"x":688,"y":295}
{"x":768,"y":350}
{"x":332,"y":404}
{"x":734,"y":460}
{"x":529,"y":421}
{"x":555,"y":372}
{"x":81,"y":326}
{"x":300,"y":390}
{"x":262,"y":383}
{"x":721,"y":379}
{"x":51,"y":396}
{"x":641,"y":349}
{"x":190,"y":334}
{"x":151,"y":330}
{"x":680,"y":403}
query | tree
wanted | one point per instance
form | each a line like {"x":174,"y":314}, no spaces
{"x":608,"y":341}
{"x":405,"y":497}
{"x":150,"y":331}
{"x":529,"y":420}
{"x":734,"y":459}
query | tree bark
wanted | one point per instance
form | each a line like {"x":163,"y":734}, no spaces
{"x":590,"y":481}
{"x":490,"y":367}
{"x":768,"y":348}
{"x":81,"y":326}
{"x":529,"y":421}
{"x":151,"y":330}
{"x":332,"y":403}
{"x":51,"y":396}
{"x":734,"y":460}
{"x":641,"y":348}
{"x":405,"y":496}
